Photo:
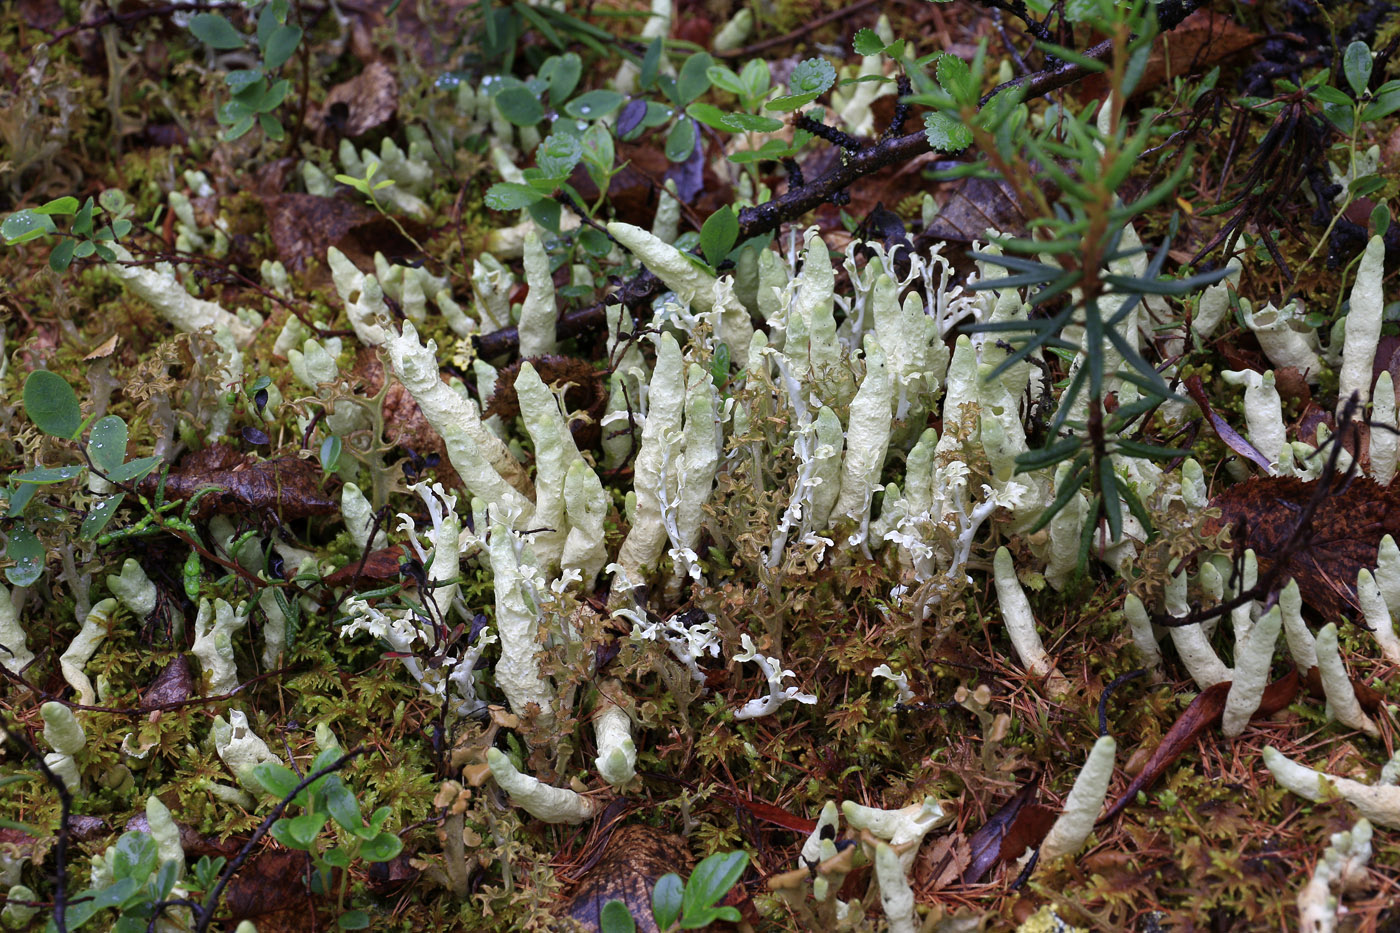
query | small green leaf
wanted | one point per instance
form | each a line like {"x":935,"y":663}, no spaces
{"x":519,"y":106}
{"x":98,"y":517}
{"x":562,"y":73}
{"x":867,"y":43}
{"x":62,"y":255}
{"x":511,"y":196}
{"x":757,"y":79}
{"x":46,"y":476}
{"x":946,"y":133}
{"x":719,"y":234}
{"x":694,"y":78}
{"x":812,"y":76}
{"x":547,"y":213}
{"x":651,"y":64}
{"x":710,"y":115}
{"x":726,"y":80}
{"x":337,"y":858}
{"x":557,"y":155}
{"x":353,"y":920}
{"x":215,"y":31}
{"x":135,"y":856}
{"x":63,"y":205}
{"x":277,"y":779}
{"x":680,"y":142}
{"x":1356,"y":65}
{"x":381,"y":848}
{"x":594,"y":105}
{"x":616,"y":918}
{"x":790,"y":102}
{"x":331,"y":449}
{"x":341,"y":803}
{"x":1380,"y":220}
{"x":666,"y":900}
{"x":956,"y":79}
{"x":133,"y":470}
{"x":87,"y":247}
{"x":22,"y":226}
{"x":51,"y":404}
{"x":28,"y":554}
{"x":595,"y":242}
{"x":107,"y":443}
{"x":711,"y":880}
{"x":281,"y":46}
{"x":751,"y":123}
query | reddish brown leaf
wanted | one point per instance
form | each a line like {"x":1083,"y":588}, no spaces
{"x":1203,"y":713}
{"x":1369,"y":698}
{"x":288,"y":486}
{"x":635,"y":857}
{"x":1232,"y":438}
{"x":1027,"y":829}
{"x":380,"y":566}
{"x":354,"y":107}
{"x":987,"y":842}
{"x":1346,"y":532}
{"x":270,"y":890}
{"x":174,"y":684}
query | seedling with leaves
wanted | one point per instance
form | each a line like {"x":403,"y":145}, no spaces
{"x":689,"y":905}
{"x":257,"y":92}
{"x":84,"y":237}
{"x":329,"y":799}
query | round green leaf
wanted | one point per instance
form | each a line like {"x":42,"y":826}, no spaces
{"x":28,"y":554}
{"x":519,"y":106}
{"x":381,"y":848}
{"x":353,"y":920}
{"x":666,"y":901}
{"x":719,"y":234}
{"x":51,"y":404}
{"x":331,"y":449}
{"x":562,"y":72}
{"x":107,"y":443}
{"x":812,"y":76}
{"x":1356,"y":63}
{"x":616,"y":918}
{"x":22,"y":226}
{"x":694,"y":78}
{"x":215,"y":31}
{"x":62,"y":255}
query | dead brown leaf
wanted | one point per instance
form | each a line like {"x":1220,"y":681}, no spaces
{"x":1346,"y":532}
{"x":286,"y":485}
{"x":355,"y":107}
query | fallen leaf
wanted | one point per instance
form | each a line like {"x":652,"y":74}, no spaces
{"x":174,"y":684}
{"x":1232,"y":438}
{"x":635,"y":857}
{"x":286,"y":485}
{"x":365,"y":102}
{"x":1346,"y":532}
{"x":1203,"y":713}
{"x":379,"y":567}
{"x":987,"y":843}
